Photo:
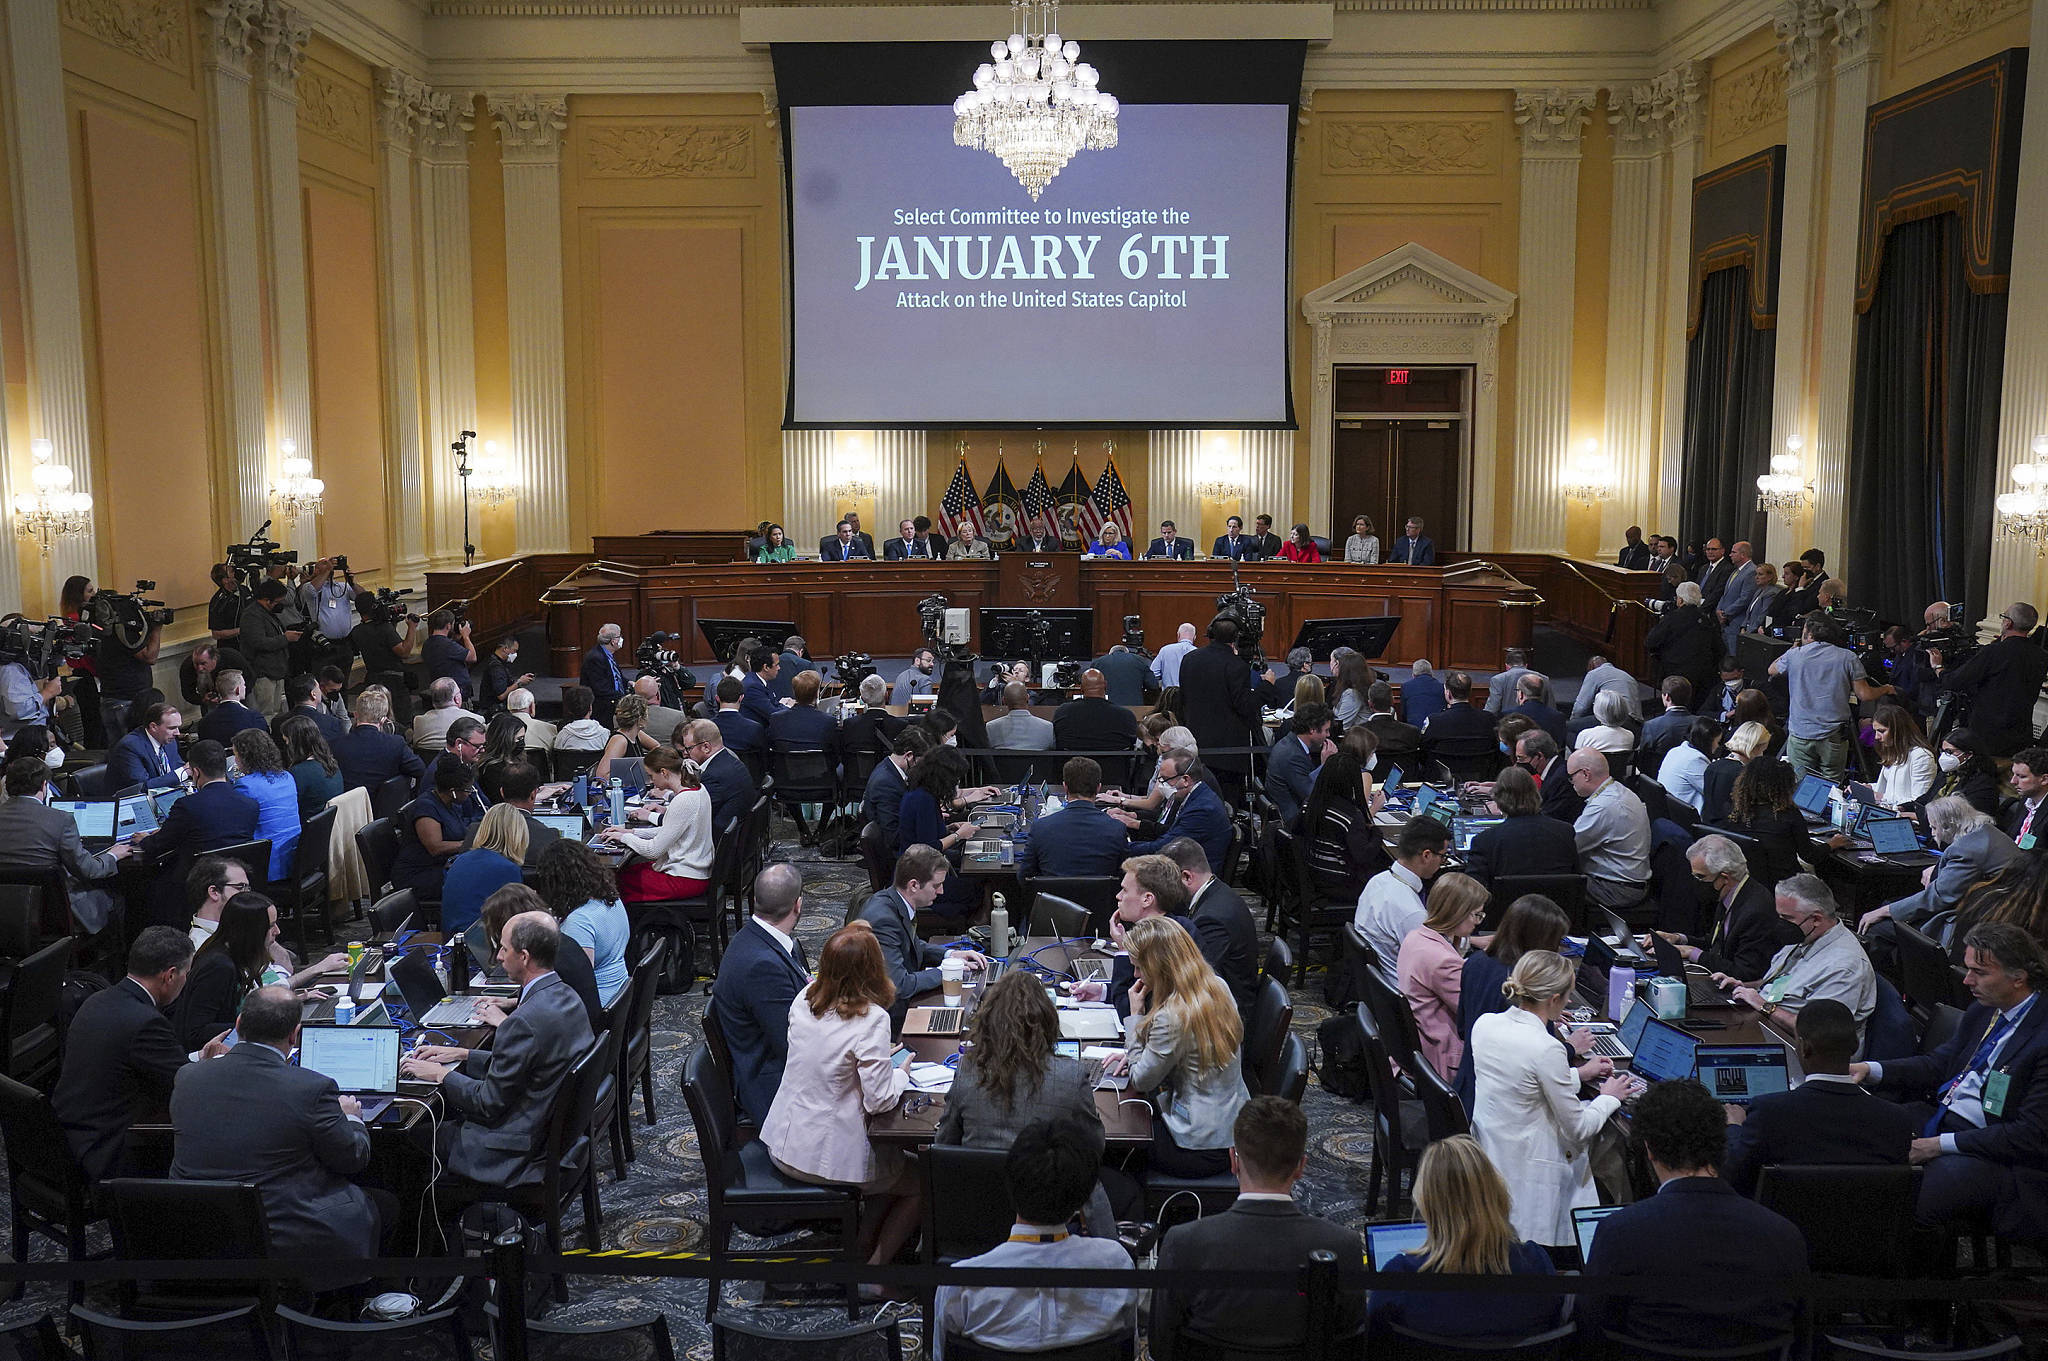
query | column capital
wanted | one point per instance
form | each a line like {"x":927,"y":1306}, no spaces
{"x":1800,"y":24}
{"x":530,"y":126}
{"x":1856,"y":35}
{"x":233,"y":31}
{"x":1552,"y":121}
{"x":446,"y":120}
{"x":1679,"y":102}
{"x":1634,"y":114}
{"x":285,"y":35}
{"x":404,"y":106}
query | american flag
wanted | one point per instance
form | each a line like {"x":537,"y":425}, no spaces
{"x":1040,"y":507}
{"x":960,"y":503}
{"x":1108,"y":503}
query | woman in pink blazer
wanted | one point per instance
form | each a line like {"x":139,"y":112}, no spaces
{"x":837,"y":1074}
{"x":1432,"y":967}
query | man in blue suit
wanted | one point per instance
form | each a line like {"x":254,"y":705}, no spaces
{"x":1198,"y":812}
{"x":304,"y":698}
{"x":602,"y":675}
{"x":1169,"y":544}
{"x":726,"y":777}
{"x":757,"y":692}
{"x":1292,"y":765}
{"x":1984,"y":1146}
{"x":844,"y":545}
{"x":213,"y":815}
{"x":882,"y":800}
{"x":1695,"y":1227}
{"x":1422,"y":695}
{"x":1234,"y":543}
{"x":1083,"y":837}
{"x":148,"y":756}
{"x":759,"y":976}
{"x":1827,"y":1119}
{"x":370,"y":753}
{"x":1414,"y":548}
{"x":801,"y":727}
{"x":233,"y":713}
{"x":1529,"y":703}
{"x":741,"y":733}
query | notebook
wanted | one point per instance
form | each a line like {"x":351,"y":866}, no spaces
{"x":362,"y":1060}
{"x":1740,"y":1073}
{"x":1385,"y":1242}
{"x":1586,"y":1222}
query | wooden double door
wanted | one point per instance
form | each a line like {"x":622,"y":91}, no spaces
{"x":1392,"y":469}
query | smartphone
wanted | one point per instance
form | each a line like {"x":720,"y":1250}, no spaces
{"x":900,"y":1057}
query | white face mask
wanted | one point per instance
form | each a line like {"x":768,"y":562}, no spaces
{"x":1950,"y":761}
{"x":511,"y":657}
{"x":952,"y":739}
{"x":54,"y":758}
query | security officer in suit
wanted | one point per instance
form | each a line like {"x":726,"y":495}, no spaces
{"x":1169,"y":544}
{"x":501,"y":1095}
{"x":252,"y":1116}
{"x":1083,"y":837}
{"x":1827,"y":1119}
{"x":759,"y":976}
{"x":843,"y":545}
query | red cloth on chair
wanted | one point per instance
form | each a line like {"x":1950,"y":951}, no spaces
{"x":642,"y":883}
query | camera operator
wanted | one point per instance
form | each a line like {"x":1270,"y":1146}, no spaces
{"x":2001,"y":682}
{"x":384,"y":650}
{"x":24,"y":699}
{"x":329,"y":599}
{"x":124,"y":674}
{"x":448,"y":651}
{"x":267,"y":643}
{"x":224,"y":610}
{"x":500,"y":675}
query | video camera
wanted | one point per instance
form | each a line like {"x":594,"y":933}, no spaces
{"x":656,"y":658}
{"x":1134,"y":634}
{"x":384,"y":606}
{"x":251,"y":559}
{"x":44,"y":646}
{"x":1250,"y":618}
{"x":945,"y":630}
{"x":128,"y":617}
{"x":853,"y":668}
{"x":1954,"y":639}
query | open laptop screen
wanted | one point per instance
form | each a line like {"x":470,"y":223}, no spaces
{"x":1385,"y":1242}
{"x":1663,"y":1052}
{"x":359,"y":1058}
{"x":1891,"y":836}
{"x":1813,"y":795}
{"x":569,"y":825}
{"x":94,"y":819}
{"x":1739,"y":1073}
{"x":1586,"y":1222}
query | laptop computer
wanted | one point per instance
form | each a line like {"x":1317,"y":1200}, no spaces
{"x":935,"y":1021}
{"x":570,"y":825}
{"x":362,"y":1060}
{"x":1618,"y":1042}
{"x":1894,"y":842}
{"x":1699,"y":990}
{"x":95,"y":817}
{"x":1392,"y":783}
{"x":163,"y":800}
{"x":1813,"y":798}
{"x":1464,"y":830}
{"x":631,"y":772}
{"x":421,"y":988}
{"x":1740,"y":1073}
{"x":318,"y":1008}
{"x":133,"y":814}
{"x":1385,"y":1242}
{"x":1663,"y":1052}
{"x":1444,"y":811}
{"x":1586,"y":1222}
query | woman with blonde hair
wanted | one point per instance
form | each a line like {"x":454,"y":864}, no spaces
{"x":1717,"y":781}
{"x":1463,"y":1200}
{"x":492,"y":861}
{"x":1308,"y":689}
{"x":838,"y":1073}
{"x":1185,"y":1043}
{"x":1526,"y":1109}
{"x":629,"y":736}
{"x":1431,"y":967}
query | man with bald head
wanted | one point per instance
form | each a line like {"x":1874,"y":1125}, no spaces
{"x":661,"y":720}
{"x":1166,"y":663}
{"x":1612,"y":831}
{"x":1018,"y":729}
{"x":761,"y":973}
{"x":1092,"y":724}
{"x":725,"y":776}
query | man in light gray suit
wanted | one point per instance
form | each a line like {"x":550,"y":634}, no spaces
{"x":1602,"y":674}
{"x":1500,"y":691}
{"x":1018,"y":728}
{"x":1972,"y":849}
{"x":913,"y":964}
{"x":35,"y":836}
{"x":250,"y":1115}
{"x":502,"y":1094}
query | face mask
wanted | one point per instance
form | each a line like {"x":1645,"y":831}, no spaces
{"x":952,"y":739}
{"x":1504,"y":749}
{"x":511,"y":657}
{"x":1732,"y":686}
{"x":54,"y":758}
{"x":1950,"y":761}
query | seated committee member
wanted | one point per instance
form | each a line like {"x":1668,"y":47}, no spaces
{"x":838,"y":1072}
{"x":1035,"y":536}
{"x":121,"y":1055}
{"x":1265,"y":1226}
{"x":1110,"y":543}
{"x":1017,"y":728}
{"x":35,"y":837}
{"x":912,"y":963}
{"x":1301,"y":546}
{"x":1984,"y":1147}
{"x":1413,"y":547}
{"x":760,"y":974}
{"x":968,"y":544}
{"x":499,"y":1097}
{"x":213,"y":815}
{"x":843,"y":545}
{"x":913,"y":540}
{"x":254,"y":1116}
{"x":1391,"y":905}
{"x":1050,"y":1174}
{"x":1463,"y":1199}
{"x":1363,"y":547}
{"x":1169,"y":544}
{"x":1696,"y":1227}
{"x":1827,"y":1119}
{"x":1235,"y":544}
{"x":148,"y":755}
{"x":1083,"y":838}
{"x":776,"y":547}
{"x":1747,"y":929}
{"x":370,"y":753}
{"x":1826,"y":961}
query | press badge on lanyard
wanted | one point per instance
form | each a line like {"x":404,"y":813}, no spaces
{"x":1775,"y":990}
{"x":1996,"y":1083}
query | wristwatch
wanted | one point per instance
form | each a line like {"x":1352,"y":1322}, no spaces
{"x":1770,"y":1007}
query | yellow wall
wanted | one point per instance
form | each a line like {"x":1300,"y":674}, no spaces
{"x":1925,"y":39}
{"x":1745,"y":99}
{"x":1588,"y":419}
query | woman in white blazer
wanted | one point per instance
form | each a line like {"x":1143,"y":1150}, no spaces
{"x":1527,"y":1113}
{"x":837,"y":1074}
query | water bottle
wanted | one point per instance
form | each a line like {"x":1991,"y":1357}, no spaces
{"x":1621,"y":987}
{"x":579,"y":793}
{"x":617,"y":792}
{"x":999,"y":928}
{"x":1838,"y":809}
{"x":345,"y":1008}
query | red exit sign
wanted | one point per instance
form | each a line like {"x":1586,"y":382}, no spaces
{"x":1397,"y":377}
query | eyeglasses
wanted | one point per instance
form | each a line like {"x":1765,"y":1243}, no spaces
{"x":1706,"y":878}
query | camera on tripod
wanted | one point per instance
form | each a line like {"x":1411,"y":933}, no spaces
{"x":655,"y":657}
{"x":1954,"y":639}
{"x":42,"y":647}
{"x":945,"y":630}
{"x":1250,"y":617}
{"x":853,"y":668}
{"x":383,"y":606}
{"x":250,"y":560}
{"x":128,"y":617}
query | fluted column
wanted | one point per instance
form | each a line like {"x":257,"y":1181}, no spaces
{"x":1638,"y":226}
{"x":403,"y":103}
{"x":530,"y":128}
{"x":899,"y":460}
{"x":1801,"y":26}
{"x":1177,"y":463}
{"x":1678,"y":109}
{"x":808,"y":513}
{"x":1551,"y":122}
{"x":2023,"y":397}
{"x":1269,"y":476}
{"x":232,"y":30}
{"x":1856,"y":75}
{"x":48,"y":242}
{"x":449,"y":330}
{"x":284,"y":42}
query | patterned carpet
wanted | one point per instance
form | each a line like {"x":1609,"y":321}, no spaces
{"x":660,"y":1206}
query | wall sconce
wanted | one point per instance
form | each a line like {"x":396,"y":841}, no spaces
{"x":1222,"y":473}
{"x":52,"y":511}
{"x":1589,"y":478}
{"x":2023,"y":514}
{"x":298,"y":492}
{"x":853,"y":471}
{"x":492,"y":480}
{"x":1784,"y":488}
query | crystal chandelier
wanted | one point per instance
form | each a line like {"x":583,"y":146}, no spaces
{"x":1590,"y":478}
{"x":2023,"y":514}
{"x":1782,"y":489}
{"x":298,"y":492}
{"x":1222,"y":475}
{"x":52,"y":511}
{"x":1037,"y":104}
{"x":491,"y":482}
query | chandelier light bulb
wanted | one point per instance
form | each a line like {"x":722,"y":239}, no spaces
{"x":41,"y":450}
{"x":1795,"y":442}
{"x":2040,"y":446}
{"x":2024,"y":474}
{"x":288,"y":447}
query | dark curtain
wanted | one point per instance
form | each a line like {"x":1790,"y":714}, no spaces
{"x":1923,"y":429}
{"x":1728,"y":368}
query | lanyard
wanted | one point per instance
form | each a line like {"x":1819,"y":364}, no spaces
{"x":1049,"y":1236}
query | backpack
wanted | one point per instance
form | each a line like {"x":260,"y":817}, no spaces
{"x":1340,"y":1046}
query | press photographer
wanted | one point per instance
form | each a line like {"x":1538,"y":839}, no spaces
{"x":267,"y":643}
{"x":30,"y":656}
{"x":224,"y":610}
{"x":131,"y":634}
{"x":501,"y":674}
{"x":448,"y":650}
{"x":384,"y":649}
{"x":329,"y":600}
{"x":2000,"y":683}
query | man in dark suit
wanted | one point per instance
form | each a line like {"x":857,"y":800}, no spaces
{"x":913,"y":540}
{"x":302,"y":696}
{"x":1413,"y":547}
{"x":1538,"y":753}
{"x":1197,"y":812}
{"x":1129,"y":675}
{"x":2024,"y":818}
{"x":1529,"y":703}
{"x":252,"y":1116}
{"x":1269,"y":543}
{"x":213,"y":815}
{"x":148,"y":755}
{"x":1422,"y":695}
{"x":726,"y":777}
{"x":36,"y":838}
{"x":741,"y":733}
{"x":1984,"y":1146}
{"x":517,"y":786}
{"x":1235,"y":544}
{"x":1462,"y":727}
{"x":796,"y":659}
{"x":1034,"y":538}
{"x":757,"y":691}
{"x":843,"y":545}
{"x":1664,"y":732}
{"x":1827,"y":1119}
{"x":1524,"y":841}
{"x":232,"y":714}
{"x":867,"y":540}
{"x":121,"y":1055}
{"x":1747,"y":928}
{"x":1224,"y":927}
{"x":501,"y":1095}
{"x":601,"y":673}
{"x":1635,"y":554}
{"x":2001,"y":681}
{"x":1269,"y":1153}
{"x":801,"y":727}
{"x":1292,"y":764}
{"x":882,"y":800}
{"x":1083,"y":837}
{"x":1169,"y":544}
{"x":913,"y":964}
{"x":370,"y":753}
{"x":1218,"y":706}
{"x":1092,"y":723}
{"x":1400,"y":743}
{"x":759,"y":976}
{"x":1713,"y":574}
{"x":1695,"y":1227}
